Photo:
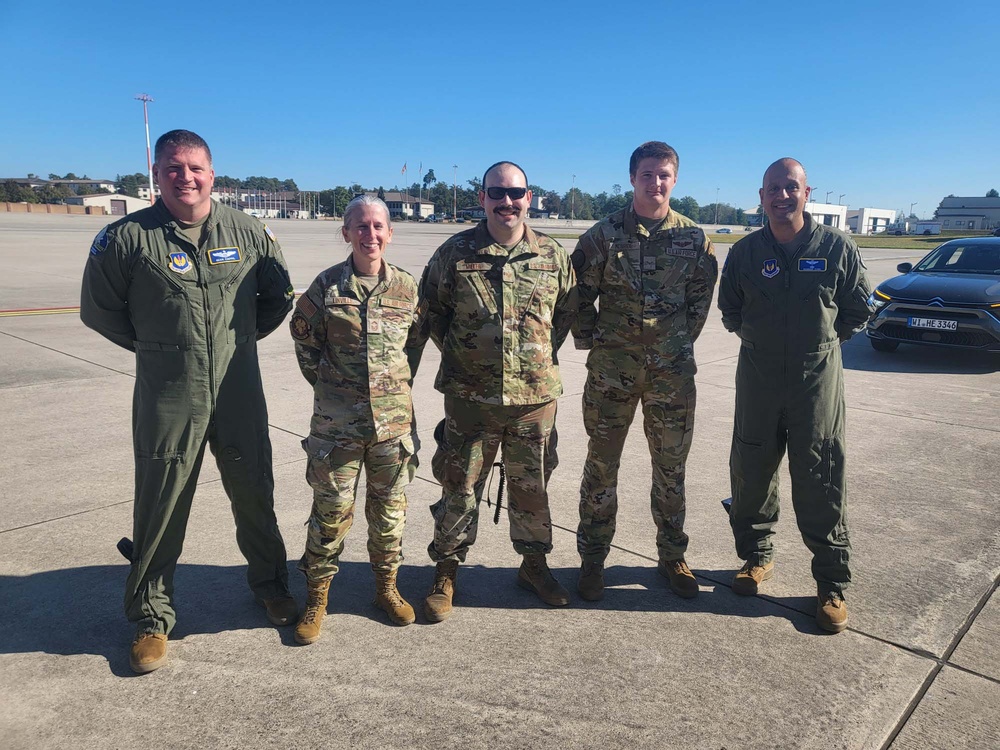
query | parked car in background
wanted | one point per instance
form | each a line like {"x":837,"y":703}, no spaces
{"x":951,"y":298}
{"x":432,"y":219}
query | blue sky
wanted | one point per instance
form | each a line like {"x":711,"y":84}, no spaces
{"x":887,"y":103}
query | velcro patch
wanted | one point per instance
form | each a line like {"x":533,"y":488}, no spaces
{"x":683,"y":252}
{"x":300,"y":327}
{"x":538,"y":265}
{"x":468,"y":265}
{"x":812,"y":264}
{"x":269,"y":233}
{"x":342,"y":301}
{"x":224,"y":255}
{"x":401,"y":304}
{"x":306,"y":306}
{"x":676,"y":242}
{"x":100,"y":242}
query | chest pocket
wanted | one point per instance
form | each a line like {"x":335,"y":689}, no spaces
{"x":161,"y":305}
{"x":344,"y":320}
{"x":537,"y":289}
{"x":239,"y":291}
{"x":470,"y":283}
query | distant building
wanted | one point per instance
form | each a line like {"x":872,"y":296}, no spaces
{"x":830,"y":214}
{"x":968,"y":213}
{"x":143,"y":191}
{"x":114,"y":204}
{"x":77,"y":185}
{"x":406,"y":205}
{"x":870,"y":220}
{"x":472,"y":212}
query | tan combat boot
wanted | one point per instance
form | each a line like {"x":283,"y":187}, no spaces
{"x":591,"y":583}
{"x":437,"y":606}
{"x":308,"y":628}
{"x":535,"y":575}
{"x":148,"y":652}
{"x":388,"y":599}
{"x":749,"y":578}
{"x":682,"y":580}
{"x":831,"y":611}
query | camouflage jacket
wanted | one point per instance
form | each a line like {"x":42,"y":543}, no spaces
{"x":787,"y":306}
{"x":655,"y":291}
{"x":498,"y":316}
{"x":354,"y":352}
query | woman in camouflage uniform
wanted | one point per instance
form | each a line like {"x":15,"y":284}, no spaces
{"x":351,"y":331}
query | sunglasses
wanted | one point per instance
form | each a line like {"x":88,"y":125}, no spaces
{"x":497,"y":193}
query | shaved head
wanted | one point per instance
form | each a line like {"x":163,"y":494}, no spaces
{"x":785,"y":165}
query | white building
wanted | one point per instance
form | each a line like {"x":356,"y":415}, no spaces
{"x":406,"y":205}
{"x":143,"y":191}
{"x":114,"y":204}
{"x":830,"y":214}
{"x":870,"y":220}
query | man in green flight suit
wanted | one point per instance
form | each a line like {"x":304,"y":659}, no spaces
{"x":652,"y":273}
{"x":793,"y":292}
{"x":190,"y":286}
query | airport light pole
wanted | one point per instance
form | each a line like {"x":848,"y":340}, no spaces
{"x":572,"y":200}
{"x":840,"y":199}
{"x":911,"y":209}
{"x":827,"y":199}
{"x":717,"y":206}
{"x":454,"y":193}
{"x":145,"y":99}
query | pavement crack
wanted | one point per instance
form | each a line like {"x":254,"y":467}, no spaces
{"x":67,"y":354}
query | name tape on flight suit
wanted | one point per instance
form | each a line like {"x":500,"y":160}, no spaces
{"x":812,"y":264}
{"x":224,"y":255}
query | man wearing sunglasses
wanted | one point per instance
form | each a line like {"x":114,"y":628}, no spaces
{"x":654,"y":272}
{"x":497,"y":300}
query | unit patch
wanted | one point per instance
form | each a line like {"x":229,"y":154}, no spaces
{"x":300,"y":327}
{"x":100,"y":242}
{"x":812,"y":264}
{"x":770,"y":269}
{"x":179,"y":262}
{"x":224,"y":255}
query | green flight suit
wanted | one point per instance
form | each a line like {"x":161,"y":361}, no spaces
{"x":791,"y":312}
{"x":192,"y":315}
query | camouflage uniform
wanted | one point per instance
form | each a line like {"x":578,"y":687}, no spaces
{"x":791,"y":311}
{"x":655,"y":292}
{"x":499,"y":317}
{"x":353,"y":349}
{"x":193,"y":316}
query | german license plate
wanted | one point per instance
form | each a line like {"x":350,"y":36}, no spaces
{"x":934,"y":323}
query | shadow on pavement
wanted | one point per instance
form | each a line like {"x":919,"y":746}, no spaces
{"x":859,"y":355}
{"x":79,"y":610}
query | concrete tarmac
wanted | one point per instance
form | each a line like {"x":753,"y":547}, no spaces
{"x":919,"y":666}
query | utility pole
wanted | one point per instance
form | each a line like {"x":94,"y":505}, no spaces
{"x":827,"y":200}
{"x":717,"y":206}
{"x":840,"y":199}
{"x":911,"y":209}
{"x":454,"y":193}
{"x":145,"y":99}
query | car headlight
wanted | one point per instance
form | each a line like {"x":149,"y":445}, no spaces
{"x":878,"y":299}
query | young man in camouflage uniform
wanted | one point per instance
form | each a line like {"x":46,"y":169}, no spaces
{"x":654,"y":272}
{"x":352,"y":329}
{"x":190,"y":286}
{"x":793,"y":292}
{"x":497,"y":300}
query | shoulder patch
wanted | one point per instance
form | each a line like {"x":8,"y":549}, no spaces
{"x":269,"y":233}
{"x":300,"y":327}
{"x":100,"y":243}
{"x":306,"y":306}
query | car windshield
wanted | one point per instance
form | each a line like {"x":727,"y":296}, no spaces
{"x":961,"y":258}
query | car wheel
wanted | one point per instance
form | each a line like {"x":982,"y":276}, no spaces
{"x":884,"y":345}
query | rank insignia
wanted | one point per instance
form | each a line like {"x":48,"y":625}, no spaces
{"x":770,"y":269}
{"x":179,"y":262}
{"x":300,"y":327}
{"x":224,"y":255}
{"x":812,"y":264}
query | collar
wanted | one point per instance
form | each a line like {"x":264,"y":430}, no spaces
{"x":347,"y":280}
{"x":484,"y":244}
{"x":634,"y":227}
{"x":167,"y":219}
{"x":809,"y":230}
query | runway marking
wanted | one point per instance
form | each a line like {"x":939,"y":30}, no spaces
{"x":38,"y":311}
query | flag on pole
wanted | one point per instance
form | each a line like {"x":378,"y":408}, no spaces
{"x":403,"y":170}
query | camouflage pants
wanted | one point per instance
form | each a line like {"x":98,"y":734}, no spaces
{"x":334,"y":471}
{"x":472,"y":434}
{"x":610,"y":398}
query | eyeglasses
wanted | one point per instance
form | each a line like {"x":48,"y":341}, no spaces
{"x":497,"y":193}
